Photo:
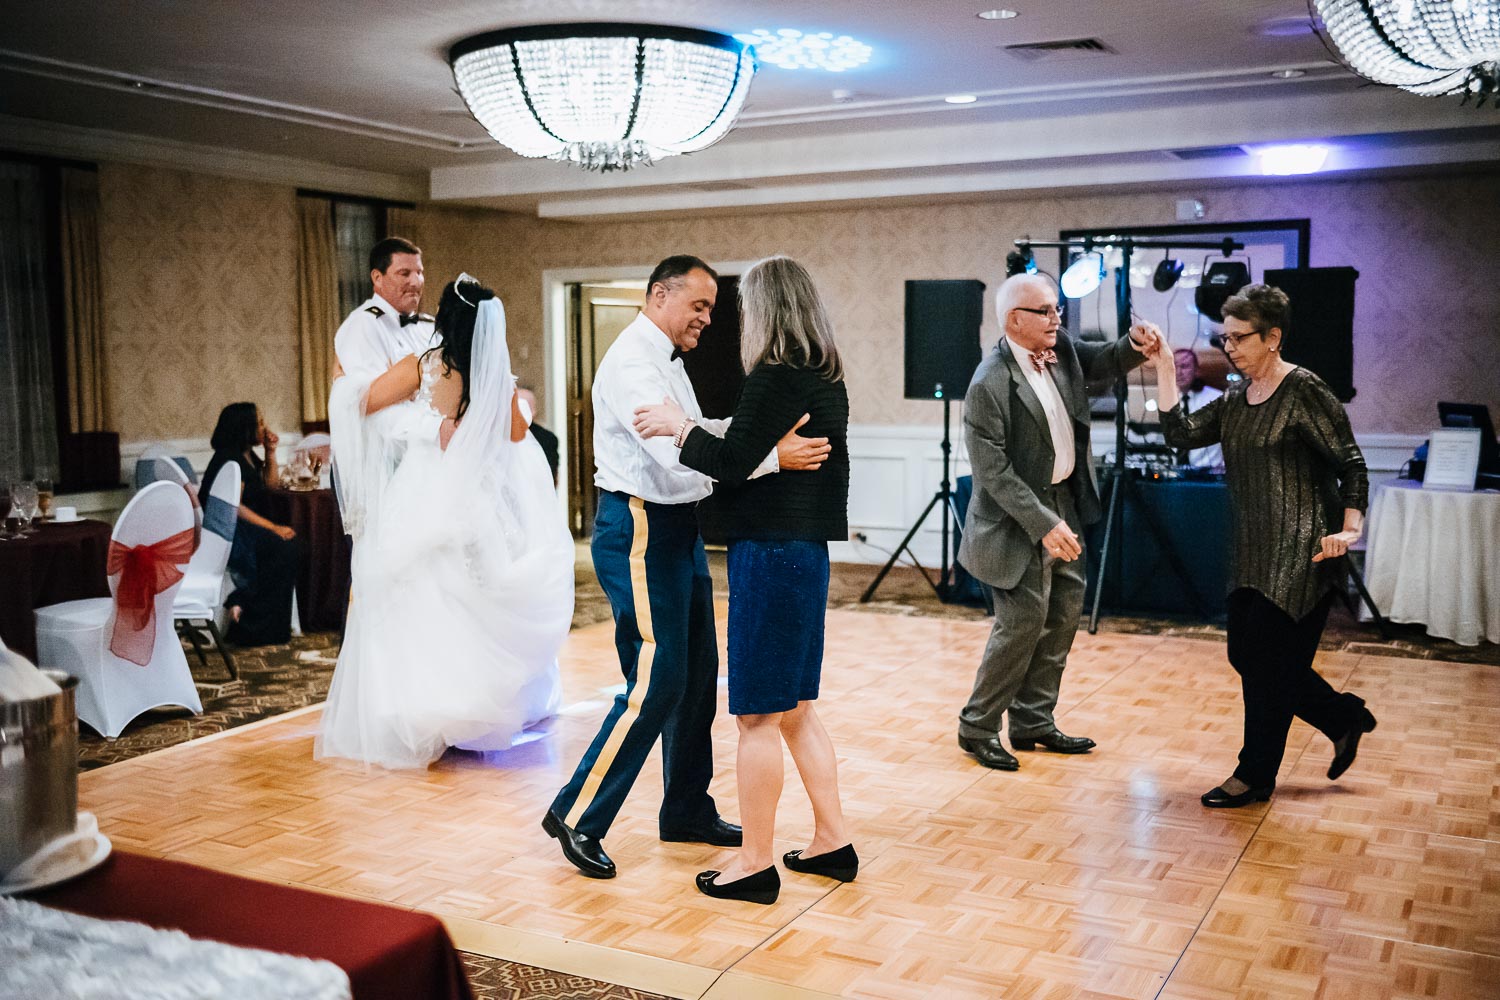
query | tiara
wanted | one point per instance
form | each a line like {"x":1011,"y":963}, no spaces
{"x":458,"y":283}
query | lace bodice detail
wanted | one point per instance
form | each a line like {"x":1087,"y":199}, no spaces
{"x":431,"y":365}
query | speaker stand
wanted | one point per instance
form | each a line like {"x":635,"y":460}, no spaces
{"x":942,"y":586}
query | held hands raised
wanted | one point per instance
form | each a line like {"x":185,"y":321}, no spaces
{"x":1147,"y":339}
{"x":1061,"y":543}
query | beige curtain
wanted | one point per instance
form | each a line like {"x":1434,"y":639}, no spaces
{"x":317,"y":303}
{"x":83,"y":303}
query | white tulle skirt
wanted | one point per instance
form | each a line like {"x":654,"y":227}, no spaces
{"x":462,"y":596}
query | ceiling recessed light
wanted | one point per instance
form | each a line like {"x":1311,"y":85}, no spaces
{"x":792,"y":49}
{"x":999,"y":14}
{"x":960,"y":99}
{"x":1289,"y":74}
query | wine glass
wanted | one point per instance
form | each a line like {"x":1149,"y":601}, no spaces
{"x":44,"y":499}
{"x":5,"y":505}
{"x":23,"y":498}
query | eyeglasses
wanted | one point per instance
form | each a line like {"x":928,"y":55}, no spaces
{"x":1049,"y":312}
{"x":1235,"y":339}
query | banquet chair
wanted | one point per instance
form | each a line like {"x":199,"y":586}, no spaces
{"x":200,"y":600}
{"x":92,"y":638}
{"x":146,"y":470}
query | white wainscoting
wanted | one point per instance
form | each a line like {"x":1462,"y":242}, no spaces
{"x":894,"y":471}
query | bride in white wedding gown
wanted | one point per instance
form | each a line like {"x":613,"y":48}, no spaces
{"x":463,"y":564}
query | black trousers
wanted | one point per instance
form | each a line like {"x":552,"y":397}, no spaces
{"x":263,"y":566}
{"x":1273,"y":655}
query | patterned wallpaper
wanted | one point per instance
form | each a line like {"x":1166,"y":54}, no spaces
{"x":1427,"y":322}
{"x":204,"y":268}
{"x":200,"y":306}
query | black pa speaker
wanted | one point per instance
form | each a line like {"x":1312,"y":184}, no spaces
{"x":1321,"y":337}
{"x":942,"y":337}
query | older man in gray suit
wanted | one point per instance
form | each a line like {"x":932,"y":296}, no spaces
{"x":1026,"y":420}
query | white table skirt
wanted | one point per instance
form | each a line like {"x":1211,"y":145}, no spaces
{"x":1433,"y":557}
{"x":48,"y":954}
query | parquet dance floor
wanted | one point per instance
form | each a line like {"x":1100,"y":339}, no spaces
{"x":1088,"y":877}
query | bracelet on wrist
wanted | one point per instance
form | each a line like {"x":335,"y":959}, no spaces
{"x":682,"y":429}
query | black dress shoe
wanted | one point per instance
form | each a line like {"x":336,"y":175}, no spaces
{"x":1054,"y":741}
{"x":990,"y":753}
{"x":582,"y":851}
{"x":1348,"y":744}
{"x":1220,"y":799}
{"x":718,"y":833}
{"x":842,"y":864}
{"x":763,"y":887}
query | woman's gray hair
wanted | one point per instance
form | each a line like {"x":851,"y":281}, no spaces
{"x":783,"y":321}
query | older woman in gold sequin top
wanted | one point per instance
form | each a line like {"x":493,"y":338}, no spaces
{"x":1300,"y":488}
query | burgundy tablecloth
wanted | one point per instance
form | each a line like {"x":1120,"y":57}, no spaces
{"x":389,"y":953}
{"x":323,"y":579}
{"x":58,"y":562}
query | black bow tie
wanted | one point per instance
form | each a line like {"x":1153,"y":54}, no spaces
{"x":408,"y":318}
{"x":676,"y":353}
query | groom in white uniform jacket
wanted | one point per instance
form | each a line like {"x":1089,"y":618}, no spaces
{"x":387,"y":327}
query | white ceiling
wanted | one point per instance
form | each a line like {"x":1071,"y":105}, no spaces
{"x":358,"y":96}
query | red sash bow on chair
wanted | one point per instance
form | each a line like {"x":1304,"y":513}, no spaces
{"x":145,"y":571}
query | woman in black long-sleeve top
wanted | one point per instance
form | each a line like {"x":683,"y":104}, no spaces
{"x":779,"y":527}
{"x":264,"y":555}
{"x":1299,"y":487}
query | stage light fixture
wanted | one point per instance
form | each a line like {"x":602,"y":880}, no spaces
{"x":1083,"y":275}
{"x":1166,"y":275}
{"x":1020,"y":261}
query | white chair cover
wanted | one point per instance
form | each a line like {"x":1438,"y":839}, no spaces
{"x":203,"y":588}
{"x":74,"y":636}
{"x":146,"y":471}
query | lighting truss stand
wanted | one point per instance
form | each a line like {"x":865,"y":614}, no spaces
{"x":944,"y":496}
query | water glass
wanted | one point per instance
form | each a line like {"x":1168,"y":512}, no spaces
{"x":44,"y":499}
{"x":23,"y":498}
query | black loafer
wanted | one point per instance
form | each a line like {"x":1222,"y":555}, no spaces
{"x":582,"y":851}
{"x":1348,"y":745}
{"x":763,"y":887}
{"x":842,"y":864}
{"x":719,"y":833}
{"x":990,"y":753}
{"x":1220,"y":799}
{"x":1054,"y":741}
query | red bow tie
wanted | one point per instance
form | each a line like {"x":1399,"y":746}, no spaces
{"x":1041,"y":359}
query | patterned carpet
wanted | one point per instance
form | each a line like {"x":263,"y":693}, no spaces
{"x":277,"y":679}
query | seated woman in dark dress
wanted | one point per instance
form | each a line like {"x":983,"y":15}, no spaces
{"x":778,"y":527}
{"x":263,"y":561}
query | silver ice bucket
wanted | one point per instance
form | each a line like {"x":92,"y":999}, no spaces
{"x":38,"y":772}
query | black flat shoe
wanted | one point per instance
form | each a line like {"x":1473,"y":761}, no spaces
{"x":582,"y":851}
{"x":763,"y":887}
{"x":1348,"y":744}
{"x":1054,"y":741}
{"x":1220,"y":799}
{"x":719,"y":833}
{"x":990,"y":753}
{"x":842,"y":864}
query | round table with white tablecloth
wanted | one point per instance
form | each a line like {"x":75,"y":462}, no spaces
{"x":1433,"y":557}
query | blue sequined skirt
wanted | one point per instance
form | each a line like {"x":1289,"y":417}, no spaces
{"x":778,"y":597}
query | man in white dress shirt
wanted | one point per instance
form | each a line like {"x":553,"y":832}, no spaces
{"x":650,"y":562}
{"x":1196,"y":394}
{"x":1026,"y":422}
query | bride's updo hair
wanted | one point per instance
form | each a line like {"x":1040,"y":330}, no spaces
{"x":457,"y":311}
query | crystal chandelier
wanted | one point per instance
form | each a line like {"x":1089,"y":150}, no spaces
{"x":1429,"y":47}
{"x":603,"y":96}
